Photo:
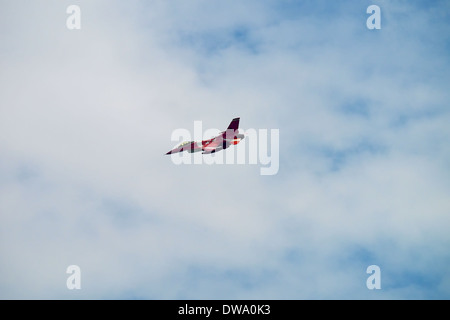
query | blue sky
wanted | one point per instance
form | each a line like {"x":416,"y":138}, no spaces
{"x":87,"y":115}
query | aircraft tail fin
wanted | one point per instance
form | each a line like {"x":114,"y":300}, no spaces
{"x":234,"y":124}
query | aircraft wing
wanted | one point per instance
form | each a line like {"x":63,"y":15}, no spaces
{"x":211,"y":150}
{"x":216,"y":144}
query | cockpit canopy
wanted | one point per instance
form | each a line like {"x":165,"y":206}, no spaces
{"x":183,"y":143}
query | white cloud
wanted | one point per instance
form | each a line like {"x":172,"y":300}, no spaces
{"x":86,"y":117}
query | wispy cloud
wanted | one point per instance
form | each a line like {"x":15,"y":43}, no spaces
{"x":86,"y":117}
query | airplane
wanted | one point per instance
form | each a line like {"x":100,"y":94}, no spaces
{"x":231,"y":136}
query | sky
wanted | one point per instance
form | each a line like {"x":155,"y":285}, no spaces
{"x":86,"y":117}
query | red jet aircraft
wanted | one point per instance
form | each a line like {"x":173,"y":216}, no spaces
{"x":220,"y":142}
